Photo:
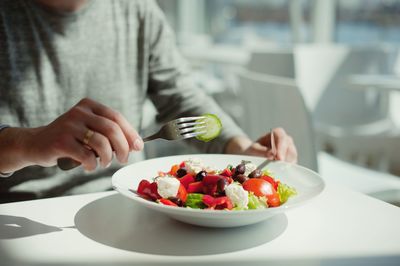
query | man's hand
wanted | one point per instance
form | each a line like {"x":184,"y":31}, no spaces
{"x":65,"y":137}
{"x":285,"y":147}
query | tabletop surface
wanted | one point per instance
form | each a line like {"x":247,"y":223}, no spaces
{"x":374,"y":81}
{"x":340,"y":225}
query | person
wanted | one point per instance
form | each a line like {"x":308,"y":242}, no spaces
{"x":74,"y":78}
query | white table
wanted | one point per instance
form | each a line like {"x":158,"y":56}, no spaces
{"x":340,"y":226}
{"x":383,"y":83}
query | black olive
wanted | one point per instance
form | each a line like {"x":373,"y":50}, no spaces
{"x":221,"y":185}
{"x":240,"y":169}
{"x":200,"y":175}
{"x":176,"y":200}
{"x":255,"y":174}
{"x":241,"y":178}
{"x":181,"y":172}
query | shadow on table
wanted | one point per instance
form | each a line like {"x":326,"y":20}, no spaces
{"x":16,"y":227}
{"x":120,"y":223}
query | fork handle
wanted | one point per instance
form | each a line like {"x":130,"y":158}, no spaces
{"x":66,"y":163}
{"x":152,"y":137}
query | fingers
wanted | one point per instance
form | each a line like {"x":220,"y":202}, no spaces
{"x":113,"y":133}
{"x":134,"y":140}
{"x":281,"y":143}
{"x":109,"y":125}
{"x":102,"y":147}
{"x":78,"y":152}
{"x":285,"y":146}
{"x":67,"y":136}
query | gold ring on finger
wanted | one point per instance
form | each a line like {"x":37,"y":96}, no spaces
{"x":88,"y":135}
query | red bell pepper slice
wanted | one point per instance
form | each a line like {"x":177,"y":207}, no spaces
{"x":219,"y":203}
{"x":226,"y":172}
{"x":208,"y":200}
{"x":142,"y":185}
{"x":167,"y":202}
{"x":210,"y":180}
{"x":182,"y":193}
{"x":210,"y":190}
{"x":222,"y":203}
{"x":148,"y":190}
{"x":174,"y":169}
{"x":195,"y":187}
{"x":186,"y":180}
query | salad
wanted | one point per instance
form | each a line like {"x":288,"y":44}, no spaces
{"x":190,"y":184}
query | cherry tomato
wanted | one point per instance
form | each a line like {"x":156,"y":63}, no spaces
{"x":273,"y":199}
{"x":258,"y":186}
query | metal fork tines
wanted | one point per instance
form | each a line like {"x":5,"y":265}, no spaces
{"x":181,"y":128}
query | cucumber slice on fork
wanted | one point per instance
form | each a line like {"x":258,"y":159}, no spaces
{"x":213,"y":127}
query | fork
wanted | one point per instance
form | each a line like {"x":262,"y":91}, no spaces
{"x":181,"y":128}
{"x":273,"y":151}
{"x":178,"y":129}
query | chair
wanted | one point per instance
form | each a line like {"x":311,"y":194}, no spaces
{"x":323,"y":73}
{"x":346,"y":120}
{"x":271,"y":102}
{"x":380,"y":151}
{"x":274,"y":62}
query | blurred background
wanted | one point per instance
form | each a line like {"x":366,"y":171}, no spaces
{"x":328,"y":71}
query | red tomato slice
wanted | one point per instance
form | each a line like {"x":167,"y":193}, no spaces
{"x":258,"y":186}
{"x":271,"y":181}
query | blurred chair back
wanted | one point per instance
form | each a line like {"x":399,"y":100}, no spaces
{"x":354,"y":125}
{"x":271,"y":102}
{"x":274,"y":62}
{"x":323,"y":73}
{"x":379,"y":152}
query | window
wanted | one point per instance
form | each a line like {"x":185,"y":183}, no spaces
{"x":368,"y":21}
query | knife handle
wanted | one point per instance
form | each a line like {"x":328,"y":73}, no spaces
{"x":67,"y":163}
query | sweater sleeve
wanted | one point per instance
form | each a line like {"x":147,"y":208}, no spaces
{"x":171,"y":87}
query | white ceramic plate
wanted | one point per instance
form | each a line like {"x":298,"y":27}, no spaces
{"x":307,"y":183}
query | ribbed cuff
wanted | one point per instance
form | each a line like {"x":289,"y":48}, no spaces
{"x":3,"y":126}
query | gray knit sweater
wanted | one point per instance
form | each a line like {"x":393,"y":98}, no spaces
{"x":118,"y":52}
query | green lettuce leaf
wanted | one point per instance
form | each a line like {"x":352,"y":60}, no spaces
{"x":195,"y":201}
{"x":285,"y":192}
{"x":268,"y":173}
{"x":256,"y":202}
